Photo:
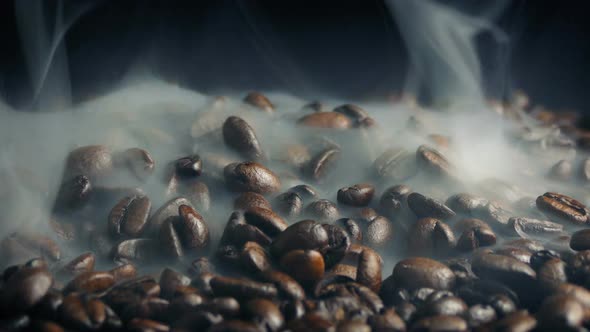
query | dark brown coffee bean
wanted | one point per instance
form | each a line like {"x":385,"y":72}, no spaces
{"x":288,"y":204}
{"x":389,"y":320}
{"x":191,"y":227}
{"x":138,"y":161}
{"x":561,"y":171}
{"x":129,"y":217}
{"x":379,"y":233}
{"x":79,"y":313}
{"x":146,"y":325}
{"x":352,"y":229}
{"x":305,"y":266}
{"x":440,"y":323}
{"x":122,"y":272}
{"x":552,"y":274}
{"x":286,"y":285}
{"x":479,"y":315}
{"x":414,"y":273}
{"x":254,"y":258}
{"x":250,"y":200}
{"x":344,"y":270}
{"x":504,"y":269}
{"x":264,"y":313}
{"x":369,"y":270}
{"x":466,"y":204}
{"x":169,"y":238}
{"x":91,"y":282}
{"x":24,"y":288}
{"x":443,"y":305}
{"x":580,"y":240}
{"x":266,"y":220}
{"x":170,"y":280}
{"x":529,"y":227}
{"x":522,"y":255}
{"x":475,"y":238}
{"x":433,"y":162}
{"x":94,"y":161}
{"x":242,"y":289}
{"x":424,"y":207}
{"x":73,"y":193}
{"x":520,"y":321}
{"x":366,"y":215}
{"x":151,"y":308}
{"x":306,"y":192}
{"x":322,"y":210}
{"x":328,"y":120}
{"x":189,"y":166}
{"x":322,"y":164}
{"x":235,"y":326}
{"x":80,"y":264}
{"x":338,"y":244}
{"x":305,"y":234}
{"x":251,"y":176}
{"x":431,"y":237}
{"x":133,"y":250}
{"x":581,"y":294}
{"x":396,"y":164}
{"x":394,"y":199}
{"x":559,"y":313}
{"x":237,"y":232}
{"x":356,"y":195}
{"x":169,"y":209}
{"x":260,"y":101}
{"x":563,"y":208}
{"x":354,"y":112}
{"x":240,"y":136}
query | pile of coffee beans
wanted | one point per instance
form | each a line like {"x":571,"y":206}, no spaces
{"x":239,"y":237}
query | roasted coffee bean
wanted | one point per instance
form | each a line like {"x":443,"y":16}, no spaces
{"x":580,"y":240}
{"x":440,"y":323}
{"x":237,"y":232}
{"x":24,"y":288}
{"x":517,"y":321}
{"x":192,"y":228}
{"x":433,"y":162}
{"x":552,"y":274}
{"x":344,"y":270}
{"x":93,"y":161}
{"x":322,"y":210}
{"x":461,"y":267}
{"x":240,"y":136}
{"x":424,"y":207}
{"x":306,"y":192}
{"x":129,"y":217}
{"x":559,"y":313}
{"x":266,"y":220}
{"x":248,"y":200}
{"x":540,"y":257}
{"x":242,"y":289}
{"x":465,"y":203}
{"x":389,"y":320}
{"x":479,"y":315}
{"x":354,"y":112}
{"x":406,"y":311}
{"x":503,"y":303}
{"x":356,"y":195}
{"x":369,"y":270}
{"x":260,"y":101}
{"x":528,"y":244}
{"x":129,"y":251}
{"x":73,"y":193}
{"x":286,"y":285}
{"x":251,"y":176}
{"x":305,"y":234}
{"x":396,"y":164}
{"x":418,"y":272}
{"x":352,"y":229}
{"x":431,"y":237}
{"x":338,"y":244}
{"x":444,"y":305}
{"x":264,"y":313}
{"x":328,"y":120}
{"x":122,"y":272}
{"x":83,"y":314}
{"x":366,"y":215}
{"x":91,"y":282}
{"x":561,"y":171}
{"x":476,"y":236}
{"x":167,"y":210}
{"x":394,"y":199}
{"x":235,"y":325}
{"x":150,"y":307}
{"x":169,"y":238}
{"x":563,"y":208}
{"x":138,"y":161}
{"x":288,"y":204}
{"x":80,"y":264}
{"x":322,"y":163}
{"x":489,"y":292}
{"x":305,"y":266}
{"x":504,"y":269}
{"x":529,"y":227}
{"x":379,"y":232}
{"x":146,"y":325}
{"x":254,"y":258}
{"x":170,"y":280}
{"x":189,"y":166}
{"x":521,"y":254}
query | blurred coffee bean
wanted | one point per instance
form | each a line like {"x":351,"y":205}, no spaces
{"x":294,"y":155}
{"x":240,"y":136}
{"x":129,"y":217}
{"x":134,"y":250}
{"x":288,"y":204}
{"x":23,"y":289}
{"x":265,"y":220}
{"x":167,"y":210}
{"x":443,"y":305}
{"x":242,"y":289}
{"x":560,"y":313}
{"x":431,"y":237}
{"x":424,"y":207}
{"x":73,"y":193}
{"x":146,"y":325}
{"x":475,"y":234}
{"x":540,"y":257}
{"x":322,"y":210}
{"x":353,"y":325}
{"x":264,"y":313}
{"x":248,"y":200}
{"x":354,"y":112}
{"x":189,"y":166}
{"x":285,"y":284}
{"x":305,"y":266}
{"x":254,"y":258}
{"x":138,"y":161}
{"x":91,"y":282}
{"x":351,"y":228}
{"x":479,"y":315}
{"x":78,"y":265}
{"x":251,"y":176}
{"x":440,"y":323}
{"x":465,"y":203}
{"x":198,"y":194}
{"x":394,"y":199}
{"x":322,"y":163}
{"x":517,"y":321}
{"x":561,"y":171}
{"x":369,"y":270}
{"x":528,"y":244}
{"x":327,"y":120}
{"x":389,"y":320}
{"x":170,"y":280}
{"x":433,"y":162}
{"x":461,"y":267}
{"x":304,"y":191}
{"x":122,"y":272}
{"x":580,"y":240}
{"x":552,"y":274}
{"x":563,"y":208}
{"x":87,"y":314}
{"x":396,"y":164}
{"x":356,"y":195}
{"x":260,"y":101}
{"x":344,"y":270}
{"x":93,"y":161}
{"x":338,"y":244}
{"x":521,"y":254}
{"x":418,"y":272}
{"x":529,"y":227}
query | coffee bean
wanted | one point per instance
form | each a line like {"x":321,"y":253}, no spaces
{"x":389,"y":320}
{"x":466,"y":204}
{"x":93,"y":161}
{"x":356,"y":195}
{"x":254,"y":258}
{"x":170,"y":280}
{"x":563,"y":208}
{"x":433,"y":162}
{"x":305,"y":234}
{"x":73,"y":193}
{"x":288,"y":204}
{"x":529,"y":227}
{"x":242,"y":289}
{"x":326,"y":120}
{"x":169,"y":238}
{"x":430,"y":236}
{"x":189,"y":166}
{"x":338,"y":244}
{"x":517,"y":321}
{"x":396,"y":164}
{"x":440,"y":323}
{"x":504,"y":269}
{"x":129,"y":217}
{"x":528,"y":244}
{"x":192,"y":229}
{"x":305,"y":266}
{"x":345,"y":270}
{"x":122,"y":272}
{"x":91,"y":282}
{"x":424,"y":207}
{"x":414,"y":273}
{"x":479,"y":315}
{"x":139,"y":250}
{"x":266,"y":220}
{"x":394,"y":199}
{"x":251,"y":176}
{"x":264,"y":313}
{"x":237,"y":232}
{"x":80,"y":264}
{"x":354,"y":112}
{"x":552,"y":274}
{"x":138,"y":161}
{"x":248,"y":200}
{"x":443,"y":305}
{"x":260,"y":101}
{"x":475,"y":238}
{"x":169,"y":209}
{"x":352,"y":229}
{"x":240,"y":136}
{"x":322,"y":210}
{"x":24,"y":288}
{"x":322,"y":164}
{"x":369,"y":270}
{"x":580,"y":240}
{"x":560,"y":312}
{"x":305,"y":192}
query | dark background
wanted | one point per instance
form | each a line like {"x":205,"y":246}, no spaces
{"x":346,"y":49}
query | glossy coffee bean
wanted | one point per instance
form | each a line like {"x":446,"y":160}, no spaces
{"x":134,"y":250}
{"x":356,"y":195}
{"x":433,"y":162}
{"x":431,"y":237}
{"x":504,"y":269}
{"x":254,"y":257}
{"x":389,"y":320}
{"x":193,"y":231}
{"x":305,"y":234}
{"x":580,"y":240}
{"x":327,"y":120}
{"x":321,"y":164}
{"x":168,"y":209}
{"x":287,"y":286}
{"x":440,"y":323}
{"x":251,"y":176}
{"x":249,"y":200}
{"x":129,"y":217}
{"x":264,"y":313}
{"x":259,"y":101}
{"x":563,"y":208}
{"x":24,"y":288}
{"x":189,"y":166}
{"x":552,"y":274}
{"x":78,"y":265}
{"x":395,"y":164}
{"x":93,"y":161}
{"x":123,"y":272}
{"x":465,"y":203}
{"x":265,"y":220}
{"x":242,"y":289}
{"x":560,"y":312}
{"x":305,"y":266}
{"x":414,"y":273}
{"x":307,"y":193}
{"x":239,"y":136}
{"x":529,"y":227}
{"x":354,"y":112}
{"x":73,"y":193}
{"x":288,"y":204}
{"x":475,"y":234}
{"x":425,"y":207}
{"x":479,"y":315}
{"x":91,"y":282}
{"x":322,"y":210}
{"x":394,"y":199}
{"x":237,"y":232}
{"x":379,"y":233}
{"x":352,"y":228}
{"x":517,"y":321}
{"x":338,"y":244}
{"x":368,"y":270}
